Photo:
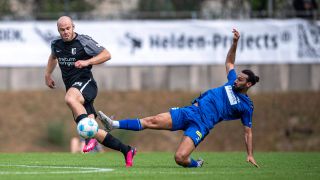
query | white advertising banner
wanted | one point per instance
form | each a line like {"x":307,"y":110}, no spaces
{"x":180,"y":42}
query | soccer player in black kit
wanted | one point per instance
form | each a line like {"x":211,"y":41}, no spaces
{"x":76,"y":54}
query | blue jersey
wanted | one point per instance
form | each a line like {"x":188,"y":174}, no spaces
{"x":223,"y":103}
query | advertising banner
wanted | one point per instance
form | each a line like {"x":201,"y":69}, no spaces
{"x":174,"y":42}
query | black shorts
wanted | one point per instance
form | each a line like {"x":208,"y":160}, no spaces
{"x":88,"y":88}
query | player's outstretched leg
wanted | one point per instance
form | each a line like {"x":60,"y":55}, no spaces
{"x":129,"y":124}
{"x":200,"y":162}
{"x":106,"y":121}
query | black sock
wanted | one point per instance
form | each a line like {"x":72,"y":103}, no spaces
{"x":114,"y":143}
{"x":81,"y":116}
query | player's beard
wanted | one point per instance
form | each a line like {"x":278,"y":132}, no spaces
{"x":237,"y":88}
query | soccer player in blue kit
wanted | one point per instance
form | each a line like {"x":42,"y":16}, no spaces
{"x":228,"y":102}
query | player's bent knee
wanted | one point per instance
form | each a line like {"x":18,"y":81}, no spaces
{"x":181,"y":158}
{"x":69,"y":99}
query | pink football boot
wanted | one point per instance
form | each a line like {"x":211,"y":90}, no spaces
{"x":90,"y":146}
{"x":129,"y":157}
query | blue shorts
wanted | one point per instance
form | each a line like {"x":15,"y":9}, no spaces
{"x":189,"y":120}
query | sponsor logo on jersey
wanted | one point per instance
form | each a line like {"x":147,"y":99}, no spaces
{"x":233,"y":99}
{"x":73,"y":51}
{"x":66,"y":61}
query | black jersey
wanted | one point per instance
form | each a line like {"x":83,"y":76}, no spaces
{"x":82,"y":47}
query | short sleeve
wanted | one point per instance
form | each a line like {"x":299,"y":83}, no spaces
{"x":91,"y":47}
{"x":53,"y":45}
{"x":52,"y":48}
{"x":246,"y":119}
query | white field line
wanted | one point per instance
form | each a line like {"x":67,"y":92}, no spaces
{"x":77,"y":170}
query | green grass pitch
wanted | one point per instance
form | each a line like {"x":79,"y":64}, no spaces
{"x":156,"y":165}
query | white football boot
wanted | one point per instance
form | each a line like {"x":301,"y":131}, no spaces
{"x":106,"y":121}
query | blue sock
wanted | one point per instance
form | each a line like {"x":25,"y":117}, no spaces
{"x":130,"y":124}
{"x":193,"y":163}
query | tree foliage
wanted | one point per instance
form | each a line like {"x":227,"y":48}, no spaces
{"x":5,"y":7}
{"x":169,"y":5}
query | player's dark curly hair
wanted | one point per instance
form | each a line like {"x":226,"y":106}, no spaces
{"x":251,"y":76}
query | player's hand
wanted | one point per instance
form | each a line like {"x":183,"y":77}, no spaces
{"x":236,"y":35}
{"x":50,"y":82}
{"x":81,"y":64}
{"x":251,"y":160}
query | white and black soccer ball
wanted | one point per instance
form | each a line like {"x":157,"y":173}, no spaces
{"x":87,"y":128}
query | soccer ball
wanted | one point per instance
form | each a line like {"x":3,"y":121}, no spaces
{"x":87,"y":128}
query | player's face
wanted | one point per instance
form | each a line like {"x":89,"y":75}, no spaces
{"x":241,"y":83}
{"x":66,"y":31}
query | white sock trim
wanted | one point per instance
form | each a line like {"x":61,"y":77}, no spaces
{"x":115,"y":124}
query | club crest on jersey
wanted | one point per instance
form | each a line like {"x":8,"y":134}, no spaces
{"x":73,"y":51}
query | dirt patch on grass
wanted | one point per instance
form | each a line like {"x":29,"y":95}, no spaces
{"x":40,"y":121}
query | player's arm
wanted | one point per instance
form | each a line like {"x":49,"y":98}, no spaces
{"x":52,"y":63}
{"x":231,"y":56}
{"x":248,"y":141}
{"x":102,"y":57}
